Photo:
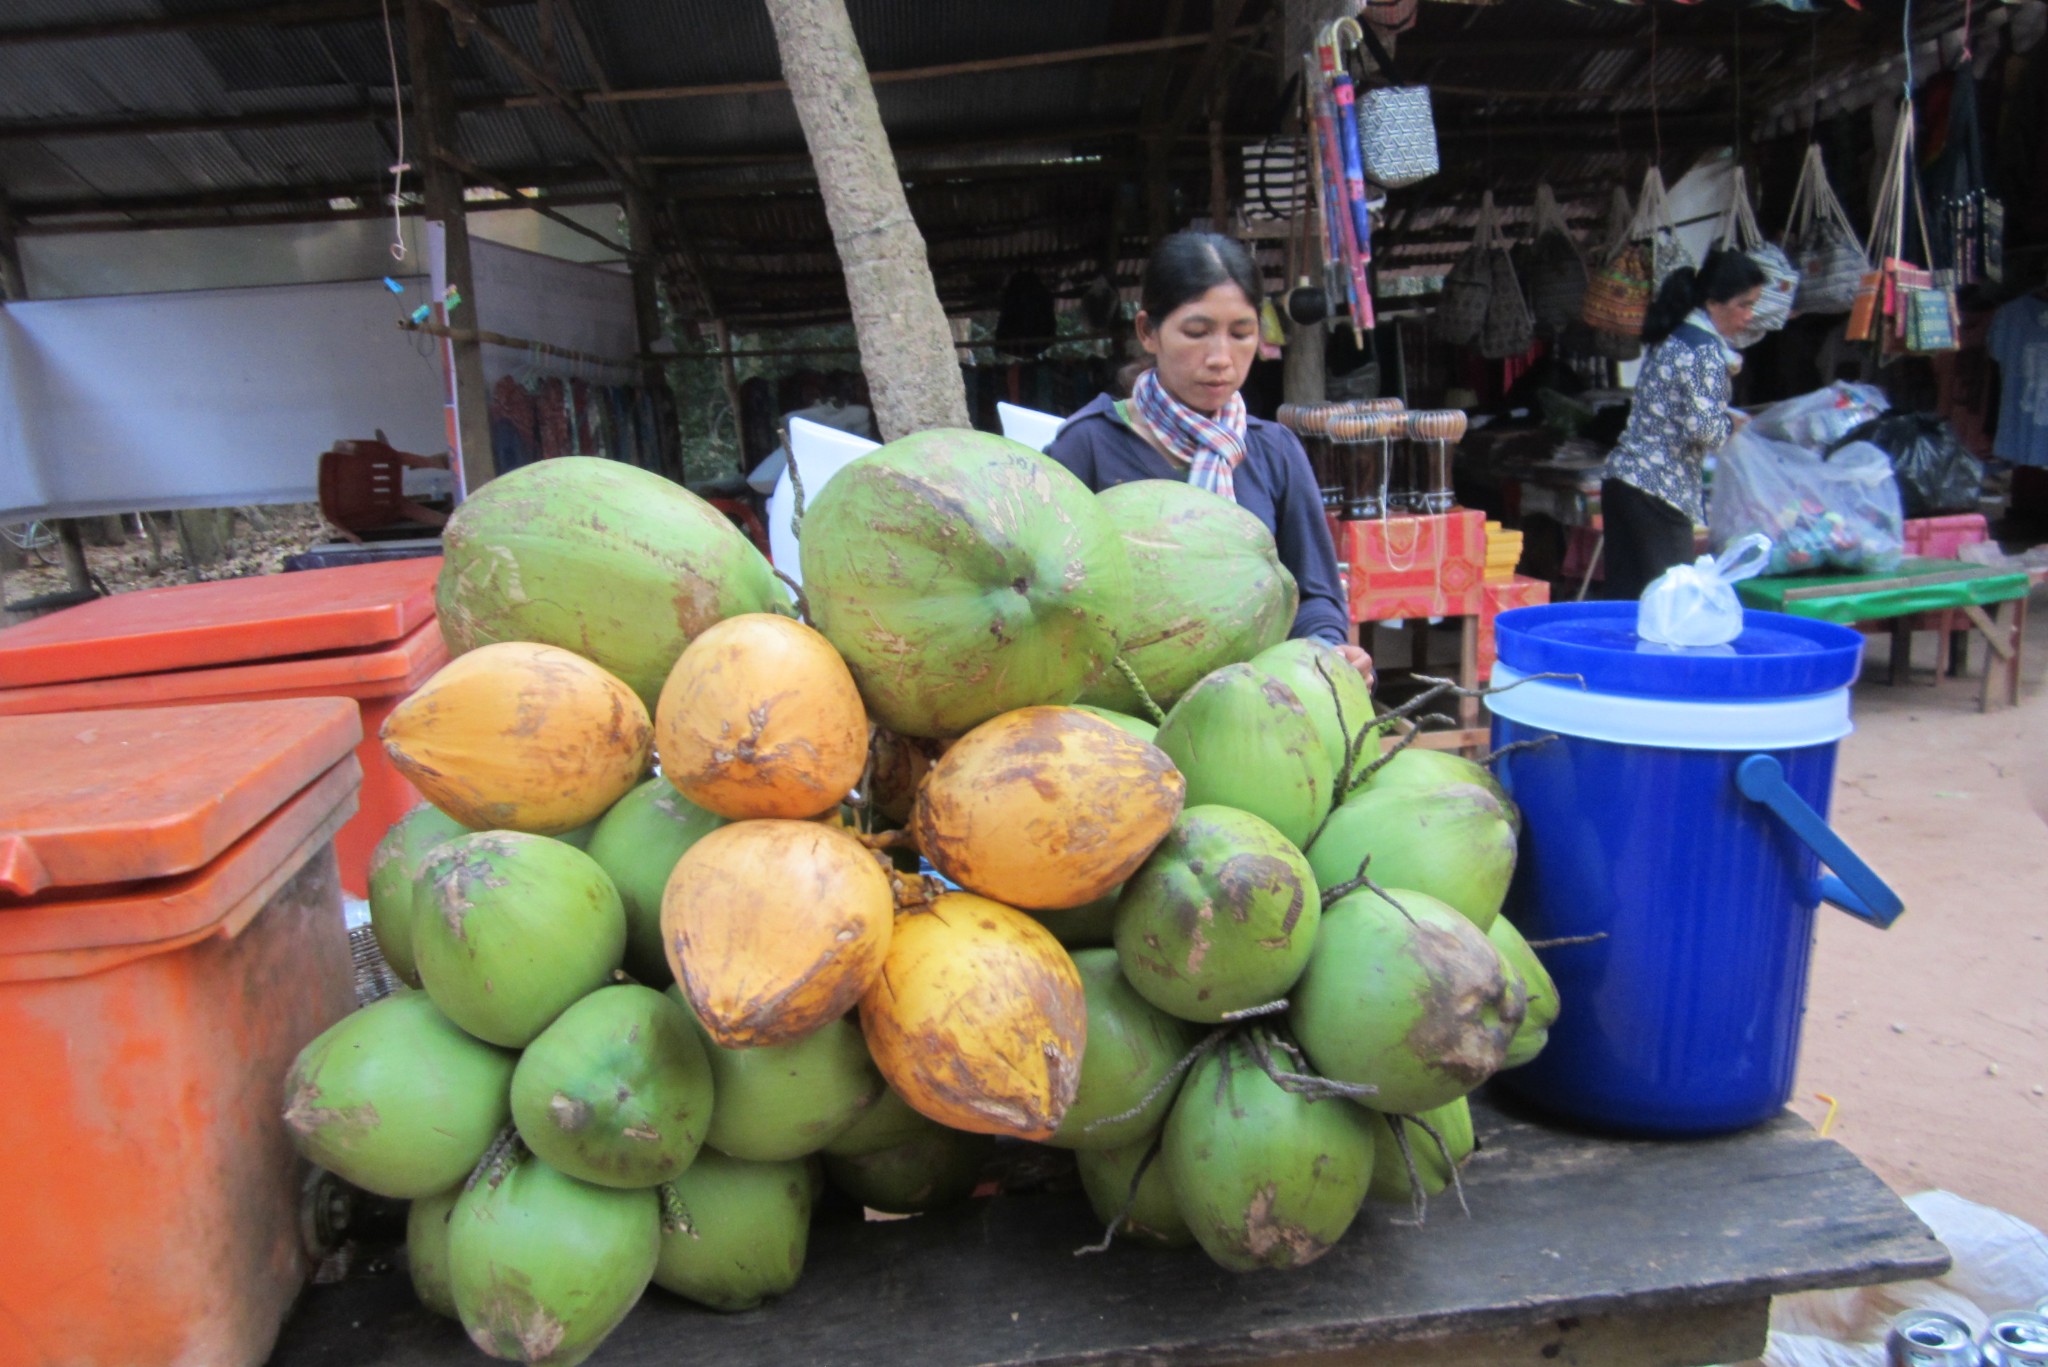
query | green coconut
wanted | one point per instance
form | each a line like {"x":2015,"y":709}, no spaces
{"x":1090,"y":925}
{"x":884,"y":1123}
{"x":781,"y":1101}
{"x":1454,"y":843}
{"x":617,"y":1091}
{"x":1326,"y":684}
{"x":397,"y":1100}
{"x":1410,"y":999}
{"x":599,"y":557}
{"x":1416,"y":769}
{"x":1537,"y":986}
{"x":1207,"y":589}
{"x":1137,"y":726}
{"x":1390,"y":1181}
{"x":545,"y":1266}
{"x":1242,"y":739}
{"x":426,"y":1250}
{"x":963,"y":575}
{"x":580,"y":837}
{"x":1264,"y":1177}
{"x":1154,"y":1217}
{"x":394,"y":873}
{"x":742,"y":1232}
{"x":638,"y":844}
{"x":1222,"y":916}
{"x":936,"y":1168}
{"x":1132,"y":1046}
{"x":513,"y":930}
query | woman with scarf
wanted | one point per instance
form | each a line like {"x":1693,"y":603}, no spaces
{"x":1198,"y":321}
{"x":1652,"y":494}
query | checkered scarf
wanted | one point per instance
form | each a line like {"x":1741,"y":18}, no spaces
{"x":1211,"y":448}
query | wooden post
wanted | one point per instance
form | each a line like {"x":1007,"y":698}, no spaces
{"x":730,"y":375}
{"x":71,"y":541}
{"x":13,"y":282}
{"x":426,"y":44}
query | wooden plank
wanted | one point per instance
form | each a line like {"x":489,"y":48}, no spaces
{"x":1905,"y":581}
{"x":1697,"y":1336}
{"x":1998,"y":635}
{"x":1563,"y":1227}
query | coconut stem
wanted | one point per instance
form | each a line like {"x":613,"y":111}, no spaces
{"x":887,"y":840}
{"x":506,"y":1152}
{"x":1152,"y":709}
{"x":1304,"y":1084}
{"x":1534,"y":744}
{"x":1418,"y":1199}
{"x":675,"y":1216}
{"x":803,"y":604}
{"x":1172,"y":1075}
{"x":1130,"y":1203}
{"x":1565,"y":941}
{"x":1450,"y":1159}
{"x":796,"y":487}
{"x":911,"y":889}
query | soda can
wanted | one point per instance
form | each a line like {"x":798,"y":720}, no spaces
{"x":2017,"y":1338}
{"x":1931,"y":1338}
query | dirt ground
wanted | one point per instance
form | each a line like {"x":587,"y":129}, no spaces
{"x":1932,"y":1037}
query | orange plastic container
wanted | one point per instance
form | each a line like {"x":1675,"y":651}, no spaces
{"x":171,"y":935}
{"x":366,"y":632}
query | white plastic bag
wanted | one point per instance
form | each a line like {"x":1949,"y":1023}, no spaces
{"x":1695,"y":605}
{"x":1822,"y":418}
{"x":1839,"y":511}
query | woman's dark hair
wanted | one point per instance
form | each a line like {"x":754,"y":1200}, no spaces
{"x":1724,"y":275}
{"x":1184,"y":267}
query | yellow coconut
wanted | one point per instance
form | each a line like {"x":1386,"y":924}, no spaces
{"x":1046,"y":807}
{"x":521,"y":737}
{"x":760,"y":718}
{"x":774,"y":928}
{"x":978,"y":1018}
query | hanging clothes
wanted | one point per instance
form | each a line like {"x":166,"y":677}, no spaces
{"x":2019,"y":343}
{"x":515,"y":434}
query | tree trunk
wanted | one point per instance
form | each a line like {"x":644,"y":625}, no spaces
{"x":207,"y":536}
{"x":906,"y":346}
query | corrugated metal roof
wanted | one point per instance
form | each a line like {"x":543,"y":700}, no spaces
{"x":1576,"y":116}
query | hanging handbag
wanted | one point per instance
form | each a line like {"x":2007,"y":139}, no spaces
{"x":1618,"y":293}
{"x":1822,"y":243}
{"x":1968,"y":222}
{"x":1508,"y":329}
{"x":1901,"y":306}
{"x":1396,"y":127}
{"x":1469,"y":286}
{"x":1557,"y":269}
{"x":1655,"y":225}
{"x":1739,"y":232}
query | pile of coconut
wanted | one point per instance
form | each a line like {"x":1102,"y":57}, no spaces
{"x":725,"y":889}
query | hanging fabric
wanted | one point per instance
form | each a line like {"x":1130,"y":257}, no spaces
{"x":1822,"y":242}
{"x":1739,"y":232}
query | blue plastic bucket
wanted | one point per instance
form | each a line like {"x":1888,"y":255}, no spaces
{"x":1680,"y":817}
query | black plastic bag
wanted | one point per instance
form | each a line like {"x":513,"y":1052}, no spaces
{"x":1935,"y":474}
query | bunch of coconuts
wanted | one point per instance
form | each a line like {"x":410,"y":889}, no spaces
{"x":909,"y":878}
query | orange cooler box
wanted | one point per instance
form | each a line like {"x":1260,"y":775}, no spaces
{"x":171,"y":935}
{"x":366,"y":632}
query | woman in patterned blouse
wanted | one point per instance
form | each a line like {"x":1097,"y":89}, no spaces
{"x":1651,"y":497}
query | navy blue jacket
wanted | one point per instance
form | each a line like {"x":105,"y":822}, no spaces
{"x":1275,"y":484}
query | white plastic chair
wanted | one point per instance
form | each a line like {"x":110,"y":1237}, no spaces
{"x":820,"y":452}
{"x":1027,"y":425}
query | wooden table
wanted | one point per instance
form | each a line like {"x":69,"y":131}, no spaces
{"x":1918,"y":585}
{"x":1579,"y":1251}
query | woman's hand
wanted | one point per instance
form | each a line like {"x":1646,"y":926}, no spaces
{"x":1356,"y":657}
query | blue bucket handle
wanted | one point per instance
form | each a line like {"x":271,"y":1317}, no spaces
{"x":1857,"y":890}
